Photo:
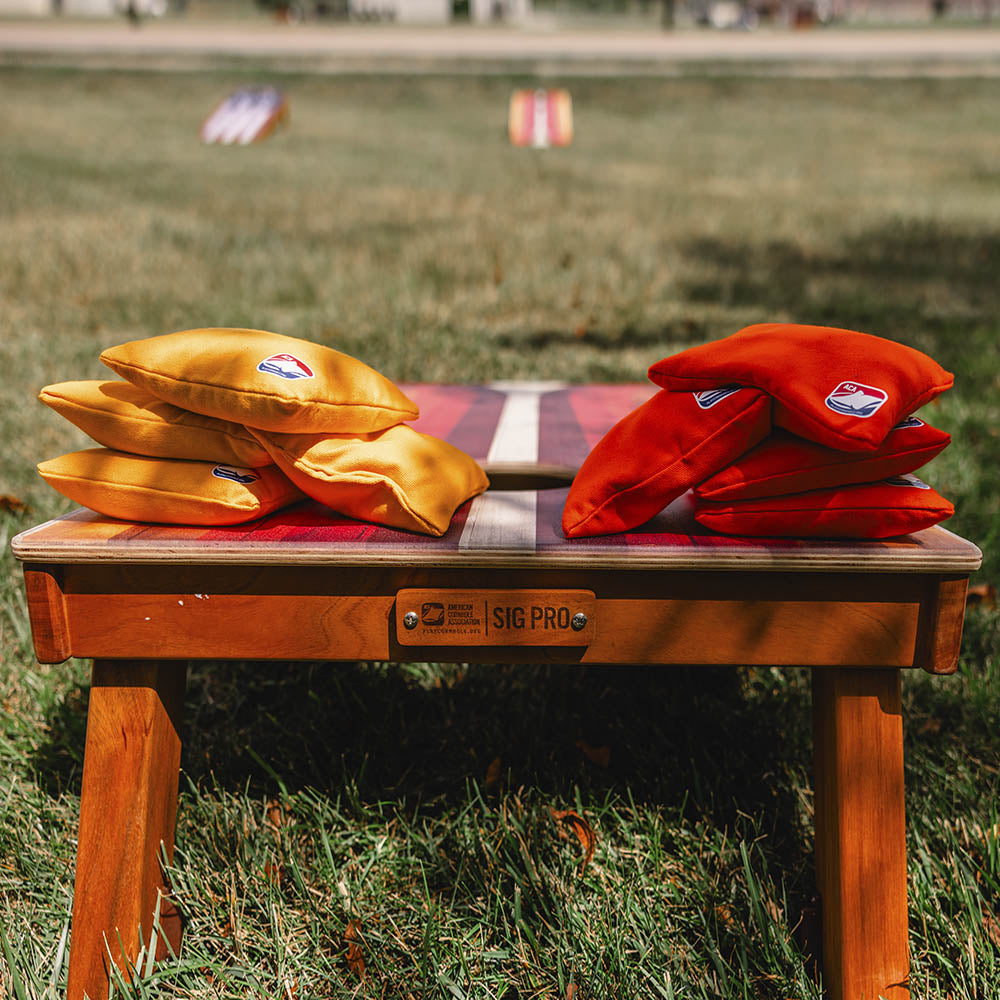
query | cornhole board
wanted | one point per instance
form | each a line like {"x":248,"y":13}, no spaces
{"x":540,"y":118}
{"x":248,"y":115}
{"x":502,"y":585}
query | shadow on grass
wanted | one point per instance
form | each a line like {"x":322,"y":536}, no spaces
{"x":919,"y":282}
{"x":629,"y":335}
{"x":709,"y":741}
{"x":696,"y":740}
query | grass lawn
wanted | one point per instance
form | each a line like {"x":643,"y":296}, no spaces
{"x":365,"y":830}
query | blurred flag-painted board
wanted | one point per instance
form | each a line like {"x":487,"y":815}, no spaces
{"x":540,"y":118}
{"x":250,"y":114}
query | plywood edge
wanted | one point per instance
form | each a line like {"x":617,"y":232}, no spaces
{"x":247,"y":553}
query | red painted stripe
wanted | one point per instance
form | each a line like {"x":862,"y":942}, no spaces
{"x":599,"y":407}
{"x":554,"y":117}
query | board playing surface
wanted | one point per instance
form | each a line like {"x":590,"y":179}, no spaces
{"x":516,"y":430}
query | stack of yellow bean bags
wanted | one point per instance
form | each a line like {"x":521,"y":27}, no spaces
{"x":221,"y":426}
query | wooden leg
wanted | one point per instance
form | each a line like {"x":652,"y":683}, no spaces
{"x":127,"y":809}
{"x":861,"y":833}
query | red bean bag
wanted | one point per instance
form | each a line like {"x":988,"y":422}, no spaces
{"x":870,"y":510}
{"x":659,"y":451}
{"x":841,"y":388}
{"x":785,"y":463}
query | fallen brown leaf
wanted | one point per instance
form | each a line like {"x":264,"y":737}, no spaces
{"x":13,"y":505}
{"x":493,"y":772}
{"x":355,"y":956}
{"x":601,"y":756}
{"x":274,"y":873}
{"x":583,"y":830}
{"x":275,"y":814}
{"x":982,"y":595}
{"x":725,"y":916}
{"x":930,"y":726}
{"x":992,"y":927}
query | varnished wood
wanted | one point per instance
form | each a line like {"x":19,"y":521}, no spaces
{"x":47,"y":613}
{"x":304,"y":627}
{"x":861,"y":833}
{"x":314,"y":613}
{"x":674,"y":542}
{"x":941,"y":626}
{"x":128,"y":807}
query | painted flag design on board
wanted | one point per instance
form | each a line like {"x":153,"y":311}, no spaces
{"x":248,"y":115}
{"x":540,"y":118}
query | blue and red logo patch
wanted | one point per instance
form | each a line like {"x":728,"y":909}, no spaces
{"x":856,"y":400}
{"x":707,"y":398}
{"x":285,"y":366}
{"x":908,"y":480}
{"x":244,"y":476}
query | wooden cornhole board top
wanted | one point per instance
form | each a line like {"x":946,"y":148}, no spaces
{"x":512,"y":428}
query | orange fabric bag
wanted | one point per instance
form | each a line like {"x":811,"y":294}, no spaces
{"x":841,"y":388}
{"x":125,"y":417}
{"x":397,"y":477}
{"x":167,"y":490}
{"x":659,"y":451}
{"x":262,"y":380}
{"x":785,"y":463}
{"x":893,"y":507}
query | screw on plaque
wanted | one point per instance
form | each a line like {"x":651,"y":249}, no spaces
{"x":579,"y":621}
{"x":410,"y":619}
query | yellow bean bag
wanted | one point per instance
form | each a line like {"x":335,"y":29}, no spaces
{"x":398,"y":477}
{"x":128,"y":418}
{"x":171,"y":491}
{"x":263,"y":380}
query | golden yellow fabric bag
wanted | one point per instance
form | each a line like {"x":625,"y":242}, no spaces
{"x":397,"y":477}
{"x":166,"y":490}
{"x":129,"y":418}
{"x":263,"y":380}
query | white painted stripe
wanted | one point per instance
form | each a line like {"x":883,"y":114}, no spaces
{"x":501,"y":519}
{"x":241,"y":114}
{"x":505,"y":519}
{"x":516,"y":436}
{"x":257,"y":120}
{"x":216,"y":123}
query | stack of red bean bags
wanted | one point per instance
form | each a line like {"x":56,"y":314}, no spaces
{"x":780,"y":430}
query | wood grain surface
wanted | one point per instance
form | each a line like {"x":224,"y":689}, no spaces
{"x":335,"y":613}
{"x":860,"y":829}
{"x":128,"y":807}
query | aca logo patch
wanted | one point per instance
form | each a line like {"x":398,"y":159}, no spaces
{"x":908,"y":480}
{"x":244,"y":476}
{"x":855,"y":399}
{"x":908,"y":422}
{"x":285,"y":366}
{"x":709,"y":397}
{"x":432,"y":613}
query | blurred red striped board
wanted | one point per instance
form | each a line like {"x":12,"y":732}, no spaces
{"x":540,"y":118}
{"x":248,"y":115}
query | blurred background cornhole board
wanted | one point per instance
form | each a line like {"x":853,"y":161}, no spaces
{"x":249,"y":114}
{"x":540,"y":118}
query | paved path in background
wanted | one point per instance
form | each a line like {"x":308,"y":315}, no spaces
{"x":346,"y":48}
